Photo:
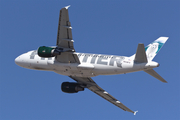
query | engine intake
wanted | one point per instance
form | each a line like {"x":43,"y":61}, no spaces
{"x":68,"y":87}
{"x":47,"y":52}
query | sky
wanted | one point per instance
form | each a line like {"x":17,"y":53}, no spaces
{"x":99,"y":26}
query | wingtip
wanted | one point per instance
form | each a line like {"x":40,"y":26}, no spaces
{"x":165,"y":81}
{"x":135,"y":112}
{"x":67,"y":6}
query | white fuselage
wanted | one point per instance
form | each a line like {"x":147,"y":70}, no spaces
{"x":90,"y":64}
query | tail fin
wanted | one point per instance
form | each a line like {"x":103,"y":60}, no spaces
{"x":153,"y":48}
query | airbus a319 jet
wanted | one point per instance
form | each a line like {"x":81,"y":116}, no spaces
{"x":81,"y":67}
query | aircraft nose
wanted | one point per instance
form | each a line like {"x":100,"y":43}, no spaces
{"x":21,"y":60}
{"x":17,"y":60}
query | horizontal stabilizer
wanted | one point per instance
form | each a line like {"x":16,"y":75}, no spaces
{"x":140,"y":56}
{"x":155,"y":74}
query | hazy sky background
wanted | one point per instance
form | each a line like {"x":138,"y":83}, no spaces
{"x":105,"y":26}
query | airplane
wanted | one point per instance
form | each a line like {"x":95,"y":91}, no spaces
{"x":81,"y":67}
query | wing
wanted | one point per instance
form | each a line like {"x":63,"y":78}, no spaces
{"x":91,"y":85}
{"x":64,"y":39}
{"x":64,"y":35}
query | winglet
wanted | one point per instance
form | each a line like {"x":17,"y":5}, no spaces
{"x":135,"y":112}
{"x":67,"y":6}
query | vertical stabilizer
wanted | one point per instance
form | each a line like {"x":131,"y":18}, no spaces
{"x":153,"y":48}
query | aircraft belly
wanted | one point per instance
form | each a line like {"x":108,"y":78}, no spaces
{"x":105,"y":70}
{"x":126,"y":67}
{"x":72,"y":69}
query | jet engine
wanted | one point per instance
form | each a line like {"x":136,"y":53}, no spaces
{"x":72,"y":87}
{"x":47,"y":52}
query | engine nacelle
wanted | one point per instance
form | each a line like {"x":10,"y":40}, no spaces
{"x":68,"y":87}
{"x":47,"y":52}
